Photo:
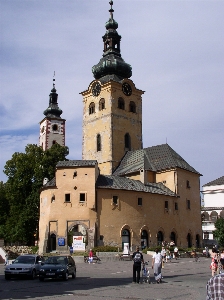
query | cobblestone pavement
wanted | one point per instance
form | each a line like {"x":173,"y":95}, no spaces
{"x":183,"y":279}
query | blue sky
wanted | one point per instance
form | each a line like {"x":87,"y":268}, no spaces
{"x":175,"y":48}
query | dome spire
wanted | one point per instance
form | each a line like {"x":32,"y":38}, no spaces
{"x":111,"y":66}
{"x":111,"y":9}
{"x":53,"y":110}
{"x":54,"y":80}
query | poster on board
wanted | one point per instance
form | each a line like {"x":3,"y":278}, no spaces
{"x":78,"y":243}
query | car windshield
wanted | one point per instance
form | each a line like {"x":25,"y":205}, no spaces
{"x":24,"y":260}
{"x":56,"y":260}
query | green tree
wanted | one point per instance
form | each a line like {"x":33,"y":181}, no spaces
{"x":25,"y":172}
{"x":4,"y":209}
{"x":219,"y":232}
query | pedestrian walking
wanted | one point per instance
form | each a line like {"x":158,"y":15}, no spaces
{"x":6,"y":258}
{"x":168,"y":255}
{"x":163,"y":253}
{"x":176,"y":252}
{"x":215,"y":287}
{"x":157,"y":265}
{"x":138,"y":260}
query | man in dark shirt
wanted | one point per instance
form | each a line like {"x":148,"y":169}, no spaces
{"x":138,"y":259}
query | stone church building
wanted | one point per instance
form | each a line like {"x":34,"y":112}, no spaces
{"x":119,"y":192}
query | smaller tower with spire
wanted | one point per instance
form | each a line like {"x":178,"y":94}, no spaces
{"x":52,"y":127}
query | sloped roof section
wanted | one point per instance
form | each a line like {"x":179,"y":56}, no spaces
{"x":123,"y":183}
{"x":76,"y":163}
{"x":156,"y":158}
{"x":218,"y":181}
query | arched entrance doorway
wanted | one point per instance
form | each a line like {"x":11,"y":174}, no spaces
{"x":52,"y":246}
{"x":189,"y":240}
{"x":173,"y":237}
{"x":159,"y":237}
{"x":125,"y":238}
{"x":77,"y":230}
{"x":144,"y":239}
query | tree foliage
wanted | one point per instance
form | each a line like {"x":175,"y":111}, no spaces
{"x":19,"y":196}
{"x":219,"y":232}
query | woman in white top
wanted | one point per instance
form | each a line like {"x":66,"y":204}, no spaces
{"x":157,"y":265}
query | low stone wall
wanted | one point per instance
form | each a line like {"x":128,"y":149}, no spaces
{"x":14,"y":251}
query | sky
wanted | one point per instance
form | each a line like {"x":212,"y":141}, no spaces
{"x":175,"y":48}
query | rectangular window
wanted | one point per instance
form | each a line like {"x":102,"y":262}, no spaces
{"x":67,"y":197}
{"x":166,"y":205}
{"x":188,"y":204}
{"x":115,"y":200}
{"x":188,"y":184}
{"x":206,"y":236}
{"x":176,"y":206}
{"x":82,"y":197}
{"x":140,"y":201}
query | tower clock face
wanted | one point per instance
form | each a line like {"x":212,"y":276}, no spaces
{"x":126,"y":88}
{"x":96,"y":89}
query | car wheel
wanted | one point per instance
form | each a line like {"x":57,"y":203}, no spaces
{"x":65,"y":277}
{"x":74,"y":274}
{"x":41,"y":278}
{"x":33,"y":275}
{"x":7,"y":277}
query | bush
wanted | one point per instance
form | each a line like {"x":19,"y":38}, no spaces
{"x":105,"y":249}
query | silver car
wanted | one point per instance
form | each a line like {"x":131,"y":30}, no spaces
{"x":24,"y":265}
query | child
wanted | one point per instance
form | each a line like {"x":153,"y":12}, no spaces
{"x":90,"y":256}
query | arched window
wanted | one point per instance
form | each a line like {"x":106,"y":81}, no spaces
{"x":102,"y":104}
{"x":132,"y":107}
{"x":91,"y":108}
{"x":120,"y":103}
{"x":127,"y":141}
{"x":98,"y":142}
{"x":159,"y":237}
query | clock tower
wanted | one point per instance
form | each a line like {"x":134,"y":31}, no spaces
{"x":52,"y":127}
{"x":112,"y":106}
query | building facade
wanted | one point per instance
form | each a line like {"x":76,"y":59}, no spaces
{"x":212,"y":209}
{"x":119,"y":192}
